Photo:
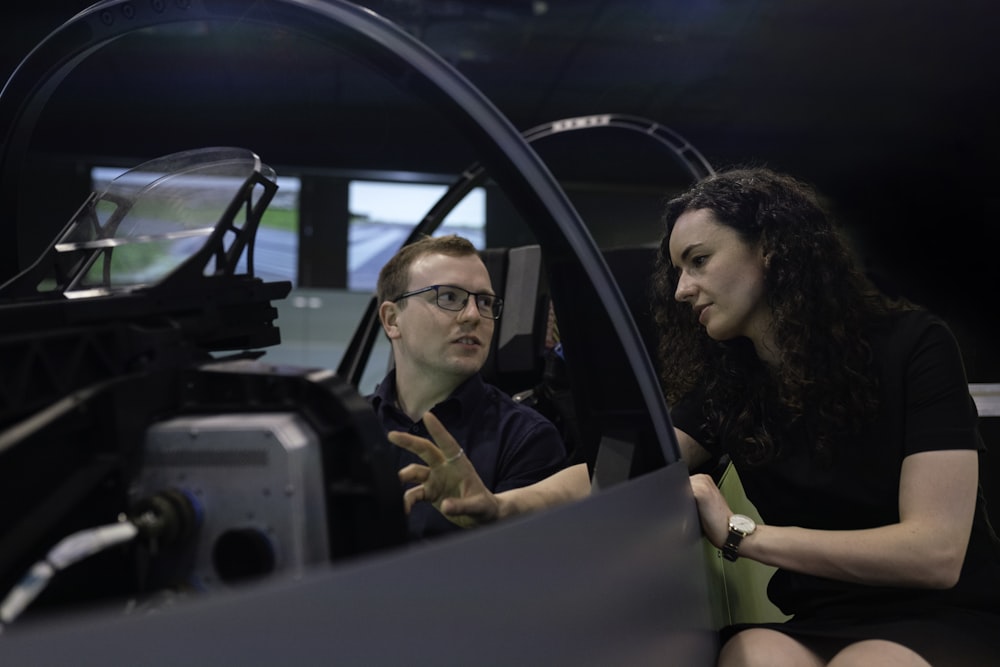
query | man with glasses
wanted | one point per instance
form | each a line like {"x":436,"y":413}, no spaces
{"x":438,"y":308}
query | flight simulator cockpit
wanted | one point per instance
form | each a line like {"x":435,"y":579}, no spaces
{"x":153,"y":459}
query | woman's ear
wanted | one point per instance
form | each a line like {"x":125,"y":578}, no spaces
{"x":388,"y":315}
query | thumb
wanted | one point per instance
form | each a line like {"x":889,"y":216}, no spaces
{"x":479,"y":508}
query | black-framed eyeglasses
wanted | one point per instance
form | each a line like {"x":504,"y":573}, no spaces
{"x":450,"y":297}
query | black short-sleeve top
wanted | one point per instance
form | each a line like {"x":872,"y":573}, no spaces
{"x":924,"y":405}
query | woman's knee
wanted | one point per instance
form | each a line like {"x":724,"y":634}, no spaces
{"x":878,"y":652}
{"x":761,"y":647}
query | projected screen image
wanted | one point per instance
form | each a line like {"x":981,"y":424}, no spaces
{"x":277,"y":241}
{"x":383,"y":214}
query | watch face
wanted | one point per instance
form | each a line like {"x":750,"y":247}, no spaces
{"x":741,"y":523}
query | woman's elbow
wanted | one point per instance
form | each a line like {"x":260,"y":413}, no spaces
{"x":941,"y":579}
{"x":943,"y":571}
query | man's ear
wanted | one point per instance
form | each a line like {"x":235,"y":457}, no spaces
{"x":388,"y":313}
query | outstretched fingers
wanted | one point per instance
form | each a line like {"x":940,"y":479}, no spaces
{"x":422,"y":447}
{"x":447,"y":445}
{"x":412,"y":496}
{"x":414,"y":473}
{"x":444,"y":448}
{"x":447,"y":479}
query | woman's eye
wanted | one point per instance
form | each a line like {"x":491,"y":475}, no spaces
{"x":699,"y":260}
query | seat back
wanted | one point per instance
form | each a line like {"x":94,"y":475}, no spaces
{"x":516,"y":356}
{"x":526,"y":360}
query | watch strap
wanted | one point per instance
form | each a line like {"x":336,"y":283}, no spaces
{"x":731,"y":549}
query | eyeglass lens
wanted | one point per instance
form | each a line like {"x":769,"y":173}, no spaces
{"x":456,"y":298}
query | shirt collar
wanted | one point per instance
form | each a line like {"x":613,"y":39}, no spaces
{"x":462,"y":401}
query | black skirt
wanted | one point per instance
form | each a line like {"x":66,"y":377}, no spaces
{"x":947,"y":637}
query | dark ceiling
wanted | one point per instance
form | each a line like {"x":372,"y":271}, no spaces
{"x":888,"y":106}
{"x":825,"y":89}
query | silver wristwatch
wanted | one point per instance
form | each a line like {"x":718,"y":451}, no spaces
{"x":740,"y":526}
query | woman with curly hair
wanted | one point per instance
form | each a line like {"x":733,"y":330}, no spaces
{"x":847,"y":416}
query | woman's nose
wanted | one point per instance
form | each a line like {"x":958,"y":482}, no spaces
{"x":684,"y":289}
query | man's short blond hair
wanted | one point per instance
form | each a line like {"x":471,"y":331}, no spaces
{"x":394,"y":277}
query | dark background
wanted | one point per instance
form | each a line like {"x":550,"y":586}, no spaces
{"x":890,"y":108}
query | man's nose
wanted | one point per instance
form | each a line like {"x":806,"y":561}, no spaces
{"x":469,"y":310}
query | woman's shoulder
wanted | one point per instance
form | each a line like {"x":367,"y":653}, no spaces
{"x":906,"y":335}
{"x":907,"y":323}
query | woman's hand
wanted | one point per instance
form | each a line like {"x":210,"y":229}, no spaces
{"x":712,"y":508}
{"x":448,"y":481}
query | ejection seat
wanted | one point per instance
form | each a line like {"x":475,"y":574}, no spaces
{"x":525,"y":359}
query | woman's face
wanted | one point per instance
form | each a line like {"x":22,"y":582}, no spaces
{"x":722,"y":278}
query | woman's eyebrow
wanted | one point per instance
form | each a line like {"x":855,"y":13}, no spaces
{"x":687,"y":251}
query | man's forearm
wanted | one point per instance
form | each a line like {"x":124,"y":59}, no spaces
{"x":567,"y":485}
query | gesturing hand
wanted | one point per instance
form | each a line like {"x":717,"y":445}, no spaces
{"x":448,"y":481}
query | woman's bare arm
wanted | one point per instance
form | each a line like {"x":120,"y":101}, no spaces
{"x":926,"y":548}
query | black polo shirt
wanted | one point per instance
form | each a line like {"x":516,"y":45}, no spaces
{"x":509,"y":444}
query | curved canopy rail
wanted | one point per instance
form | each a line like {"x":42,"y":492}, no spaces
{"x":604,"y":335}
{"x":355,"y":359}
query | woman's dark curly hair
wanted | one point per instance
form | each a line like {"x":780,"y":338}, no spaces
{"x":822,"y":303}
